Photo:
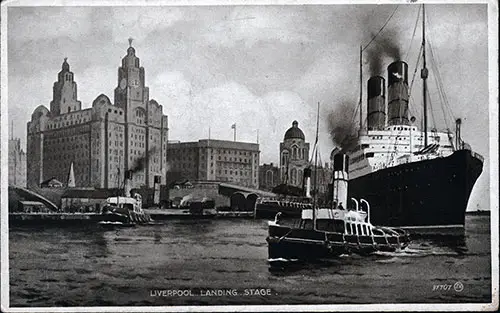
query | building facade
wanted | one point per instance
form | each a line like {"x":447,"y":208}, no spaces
{"x":294,"y":156}
{"x":269,"y":176}
{"x":215,"y":160}
{"x":103,"y":141}
{"x":17,"y":163}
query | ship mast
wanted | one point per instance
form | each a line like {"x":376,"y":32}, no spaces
{"x":424,"y":74}
{"x":360,"y":88}
{"x":315,"y":201}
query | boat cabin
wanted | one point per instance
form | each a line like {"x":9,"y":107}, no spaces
{"x":131,"y":204}
{"x":350,"y":222}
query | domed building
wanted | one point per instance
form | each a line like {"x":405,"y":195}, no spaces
{"x":294,"y":156}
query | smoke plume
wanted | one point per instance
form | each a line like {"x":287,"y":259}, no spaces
{"x":140,"y":163}
{"x":384,"y":46}
{"x":342,"y":127}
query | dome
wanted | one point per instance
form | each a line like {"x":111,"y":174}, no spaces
{"x":131,"y":51}
{"x":40,"y":111}
{"x":102,"y":99}
{"x":294,"y":132}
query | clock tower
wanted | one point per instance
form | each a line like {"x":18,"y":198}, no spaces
{"x":145,"y":126}
{"x":131,"y":92}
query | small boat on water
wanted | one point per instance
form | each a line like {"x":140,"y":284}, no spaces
{"x":123,"y":211}
{"x":323,"y":233}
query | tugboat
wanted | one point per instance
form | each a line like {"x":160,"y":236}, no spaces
{"x":124,"y":211}
{"x":323,"y":233}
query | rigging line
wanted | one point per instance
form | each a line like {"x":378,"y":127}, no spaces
{"x":415,"y":72}
{"x":438,"y":78}
{"x":440,"y":90}
{"x":438,"y":74}
{"x":432,"y":111}
{"x":410,"y":95}
{"x":414,"y":32}
{"x":382,"y":28}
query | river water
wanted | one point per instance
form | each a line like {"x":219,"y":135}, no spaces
{"x":224,"y":262}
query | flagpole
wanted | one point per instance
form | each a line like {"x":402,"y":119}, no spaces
{"x":257,"y":135}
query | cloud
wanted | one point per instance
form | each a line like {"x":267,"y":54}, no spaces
{"x":251,"y":24}
{"x":139,"y":22}
{"x":93,"y":81}
{"x":49,"y":22}
{"x":191,"y":113}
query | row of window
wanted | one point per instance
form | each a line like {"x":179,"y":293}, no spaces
{"x":184,"y":151}
{"x":70,"y":157}
{"x":116,"y":111}
{"x":297,"y":154}
{"x":358,"y":229}
{"x":68,"y":123}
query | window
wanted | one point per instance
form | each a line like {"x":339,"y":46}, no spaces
{"x":284,"y":157}
{"x":294,"y":176}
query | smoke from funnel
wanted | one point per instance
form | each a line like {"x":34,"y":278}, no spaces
{"x":342,"y":128}
{"x":385,"y":45}
{"x":140,"y":163}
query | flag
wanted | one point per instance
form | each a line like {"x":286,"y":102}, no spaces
{"x":233,"y":126}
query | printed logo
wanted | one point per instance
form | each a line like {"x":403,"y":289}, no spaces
{"x":458,"y":286}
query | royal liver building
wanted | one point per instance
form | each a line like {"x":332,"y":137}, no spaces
{"x":101,"y":142}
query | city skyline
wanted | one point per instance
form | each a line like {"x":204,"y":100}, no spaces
{"x":258,"y":67}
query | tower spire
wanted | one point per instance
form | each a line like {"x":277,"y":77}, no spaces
{"x":71,"y":177}
{"x":130,"y":39}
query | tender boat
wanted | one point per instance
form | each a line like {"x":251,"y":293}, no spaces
{"x":123,"y":211}
{"x":329,"y":232}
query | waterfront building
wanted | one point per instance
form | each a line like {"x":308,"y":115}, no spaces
{"x":17,"y":163}
{"x":325,"y":176}
{"x":102,"y":141}
{"x":294,"y":156}
{"x":269,"y":176}
{"x":214,"y":160}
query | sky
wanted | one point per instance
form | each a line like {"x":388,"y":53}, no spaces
{"x":260,"y":67}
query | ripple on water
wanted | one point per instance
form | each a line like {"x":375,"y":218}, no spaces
{"x":119,"y":268}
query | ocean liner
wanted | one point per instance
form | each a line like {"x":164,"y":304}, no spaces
{"x":412,"y":178}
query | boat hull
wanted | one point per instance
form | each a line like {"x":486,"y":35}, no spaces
{"x":120,"y":219}
{"x":422,"y":196}
{"x":288,"y":243}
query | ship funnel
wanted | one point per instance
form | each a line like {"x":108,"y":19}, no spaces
{"x":397,"y":105}
{"x":340,"y":178}
{"x":307,"y":182}
{"x":376,"y":103}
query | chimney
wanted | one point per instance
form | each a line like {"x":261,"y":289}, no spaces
{"x":397,"y":105}
{"x":340,"y":178}
{"x":376,"y":103}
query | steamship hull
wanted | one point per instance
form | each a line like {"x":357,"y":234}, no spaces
{"x":425,"y":196}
